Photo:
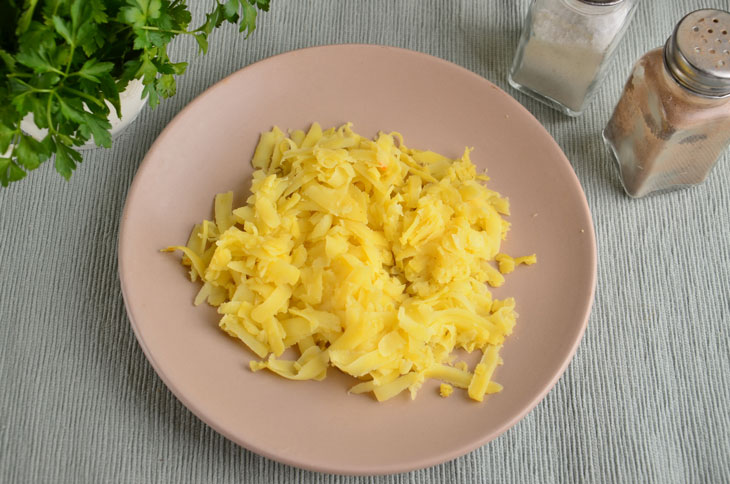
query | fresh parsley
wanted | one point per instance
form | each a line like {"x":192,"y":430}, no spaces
{"x":61,"y":60}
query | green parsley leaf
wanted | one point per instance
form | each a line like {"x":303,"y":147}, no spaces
{"x":26,"y":18}
{"x":73,"y":113}
{"x":93,"y":69}
{"x":132,"y":15}
{"x":66,"y":160}
{"x":166,"y":85}
{"x":99,"y":127}
{"x":154,"y":97}
{"x":202,"y":40}
{"x":179,"y":67}
{"x":110,"y":92}
{"x":230,"y":10}
{"x":8,"y":60}
{"x":14,"y":173}
{"x":62,"y":29}
{"x":4,"y":175}
{"x":262,"y":4}
{"x":6,"y":137}
{"x":28,"y":152}
{"x":63,"y":63}
{"x":76,"y":13}
{"x":36,"y":60}
{"x":248,"y":19}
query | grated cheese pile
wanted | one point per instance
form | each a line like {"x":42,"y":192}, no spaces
{"x":363,"y":255}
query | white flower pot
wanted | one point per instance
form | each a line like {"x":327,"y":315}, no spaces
{"x":131,"y":101}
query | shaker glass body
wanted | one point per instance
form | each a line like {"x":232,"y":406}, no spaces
{"x":662,"y":135}
{"x":565,"y":48}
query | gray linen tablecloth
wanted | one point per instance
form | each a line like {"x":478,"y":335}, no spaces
{"x":646,"y":399}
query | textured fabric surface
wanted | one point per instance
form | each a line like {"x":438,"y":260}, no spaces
{"x":646,"y":399}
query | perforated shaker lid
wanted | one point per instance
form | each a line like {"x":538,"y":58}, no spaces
{"x":698,"y":52}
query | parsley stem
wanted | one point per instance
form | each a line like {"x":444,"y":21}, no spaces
{"x":30,"y":88}
{"x":157,"y":29}
{"x":48,"y":113}
{"x":53,"y":69}
{"x":83,"y":95}
{"x":70,"y":59}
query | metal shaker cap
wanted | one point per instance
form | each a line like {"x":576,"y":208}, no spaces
{"x":698,"y":52}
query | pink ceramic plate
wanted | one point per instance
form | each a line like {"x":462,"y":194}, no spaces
{"x":436,"y":105}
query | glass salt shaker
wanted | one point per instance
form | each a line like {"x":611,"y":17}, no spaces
{"x":565,"y":48}
{"x":672,"y":122}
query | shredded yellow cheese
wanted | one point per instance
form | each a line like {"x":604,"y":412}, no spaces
{"x":363,"y":255}
{"x":507,"y":263}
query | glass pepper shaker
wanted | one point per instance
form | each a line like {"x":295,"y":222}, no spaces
{"x":672,"y":122}
{"x":565,"y":48}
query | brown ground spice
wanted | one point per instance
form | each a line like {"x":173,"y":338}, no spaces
{"x":663,"y":135}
